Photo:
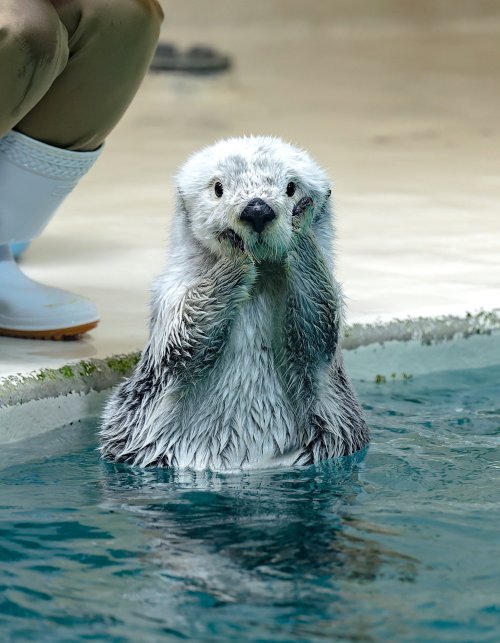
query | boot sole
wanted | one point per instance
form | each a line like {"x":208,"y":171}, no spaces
{"x":56,"y":334}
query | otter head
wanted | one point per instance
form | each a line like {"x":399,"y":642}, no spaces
{"x":247,"y":195}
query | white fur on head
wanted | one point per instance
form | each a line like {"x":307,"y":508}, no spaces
{"x":248,"y":167}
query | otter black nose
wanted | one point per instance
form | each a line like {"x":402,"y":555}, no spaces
{"x":258,"y":214}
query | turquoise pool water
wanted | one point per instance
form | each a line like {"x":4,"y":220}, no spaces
{"x":399,"y":545}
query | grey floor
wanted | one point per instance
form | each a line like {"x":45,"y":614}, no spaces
{"x":402,"y":110}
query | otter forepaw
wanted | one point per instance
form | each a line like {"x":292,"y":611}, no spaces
{"x":301,"y":206}
{"x":238,"y":273}
{"x":302,"y":214}
{"x":234,"y":240}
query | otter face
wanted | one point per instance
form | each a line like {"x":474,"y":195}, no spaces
{"x":245,"y":195}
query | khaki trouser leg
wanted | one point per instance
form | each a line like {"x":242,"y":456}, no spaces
{"x":33,"y":52}
{"x":73,"y":102}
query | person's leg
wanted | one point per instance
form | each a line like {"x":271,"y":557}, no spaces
{"x":34,"y":180}
{"x":110,"y":46}
{"x":33,"y":52}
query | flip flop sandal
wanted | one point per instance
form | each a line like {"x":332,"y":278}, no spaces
{"x":199,"y":59}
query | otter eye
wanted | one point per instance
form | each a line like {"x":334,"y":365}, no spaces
{"x":290,"y":189}
{"x":218,"y":189}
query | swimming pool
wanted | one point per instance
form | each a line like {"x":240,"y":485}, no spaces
{"x":398,"y":544}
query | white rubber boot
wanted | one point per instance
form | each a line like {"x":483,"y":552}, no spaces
{"x":35,"y":178}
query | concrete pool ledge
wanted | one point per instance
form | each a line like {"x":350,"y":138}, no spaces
{"x":40,"y":401}
{"x":381,"y":351}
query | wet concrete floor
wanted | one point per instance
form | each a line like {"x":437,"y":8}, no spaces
{"x":403,"y":116}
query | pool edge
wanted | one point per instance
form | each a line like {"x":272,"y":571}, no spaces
{"x":77,"y":387}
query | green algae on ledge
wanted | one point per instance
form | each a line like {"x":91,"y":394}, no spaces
{"x":81,"y":377}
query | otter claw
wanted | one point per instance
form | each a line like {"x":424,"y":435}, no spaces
{"x":233,"y":238}
{"x":301,"y":206}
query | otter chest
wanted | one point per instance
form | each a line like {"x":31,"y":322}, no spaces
{"x":241,"y":413}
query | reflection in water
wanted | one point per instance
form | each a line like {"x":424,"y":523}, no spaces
{"x":253,"y":537}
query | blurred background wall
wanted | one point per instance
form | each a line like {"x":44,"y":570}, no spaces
{"x":398,"y":99}
{"x":349,"y":12}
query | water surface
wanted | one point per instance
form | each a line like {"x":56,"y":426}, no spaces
{"x":398,"y":544}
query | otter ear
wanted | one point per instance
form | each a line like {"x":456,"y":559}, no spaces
{"x":329,"y":193}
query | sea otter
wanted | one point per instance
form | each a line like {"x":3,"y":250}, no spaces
{"x":243,"y":368}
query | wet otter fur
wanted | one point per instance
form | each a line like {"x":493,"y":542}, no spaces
{"x":243,"y":368}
